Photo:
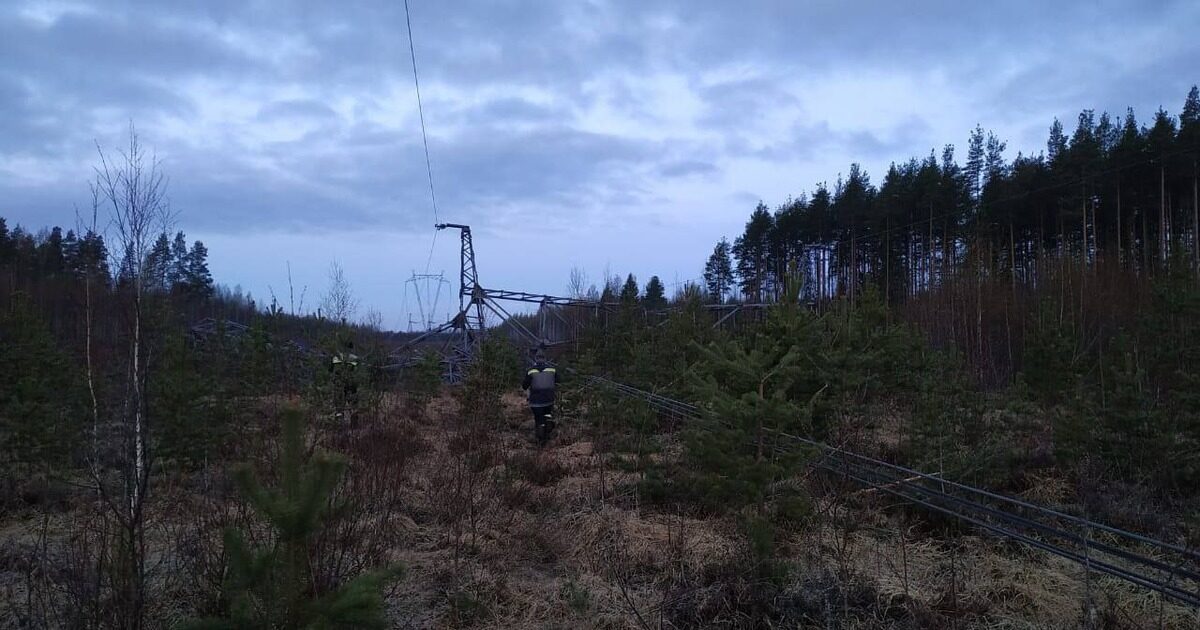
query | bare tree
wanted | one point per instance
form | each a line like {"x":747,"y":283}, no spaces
{"x":339,"y":303}
{"x":577,"y":285}
{"x":132,"y":189}
{"x":373,"y":320}
{"x":292,"y":293}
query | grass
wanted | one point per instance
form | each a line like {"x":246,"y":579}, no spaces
{"x":498,"y":533}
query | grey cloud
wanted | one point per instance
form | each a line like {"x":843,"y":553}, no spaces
{"x":132,"y":59}
{"x":736,"y":104}
{"x":375,"y":178}
{"x":684,"y":168}
{"x":111,"y":43}
{"x":309,"y":109}
{"x":902,"y":140}
{"x":510,"y":110}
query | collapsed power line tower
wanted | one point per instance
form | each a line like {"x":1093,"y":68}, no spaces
{"x":559,"y":320}
{"x":457,"y":340}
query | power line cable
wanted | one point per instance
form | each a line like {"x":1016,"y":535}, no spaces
{"x":412,"y":52}
{"x":895,"y":480}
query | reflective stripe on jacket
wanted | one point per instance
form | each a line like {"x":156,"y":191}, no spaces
{"x":540,"y":383}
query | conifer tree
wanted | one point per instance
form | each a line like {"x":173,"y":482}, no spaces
{"x":197,"y":278}
{"x":654,"y":299}
{"x":629,"y":291}
{"x":747,"y":385}
{"x":609,"y":294}
{"x":40,"y":394}
{"x":272,"y":587}
{"x":158,"y":264}
{"x":718,"y":272}
{"x":50,"y":253}
{"x":1056,"y":146}
{"x":5,"y":242}
{"x":752,"y":250}
{"x":1189,"y":140}
{"x":177,"y":277}
{"x":70,"y":247}
{"x":91,"y":257}
{"x":975,"y":157}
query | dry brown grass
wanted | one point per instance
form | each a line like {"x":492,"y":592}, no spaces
{"x":495,"y":532}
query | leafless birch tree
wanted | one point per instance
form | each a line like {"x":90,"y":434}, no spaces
{"x":131,"y":187}
{"x":339,"y":303}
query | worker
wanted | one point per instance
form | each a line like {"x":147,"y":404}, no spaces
{"x":344,"y":364}
{"x":539,"y":382}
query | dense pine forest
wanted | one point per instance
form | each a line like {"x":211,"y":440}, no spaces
{"x":178,"y":454}
{"x":1114,"y":202}
{"x":1070,"y":273}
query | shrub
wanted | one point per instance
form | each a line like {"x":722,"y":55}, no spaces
{"x":271,"y":587}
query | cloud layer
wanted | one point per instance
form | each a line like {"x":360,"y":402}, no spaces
{"x":558,"y":118}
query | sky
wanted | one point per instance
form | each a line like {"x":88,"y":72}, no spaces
{"x":613,"y":137}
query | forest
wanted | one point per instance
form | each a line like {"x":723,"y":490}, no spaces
{"x":1026,"y":326}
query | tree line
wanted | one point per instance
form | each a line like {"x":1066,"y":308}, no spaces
{"x":1114,"y":190}
{"x":171,"y":266}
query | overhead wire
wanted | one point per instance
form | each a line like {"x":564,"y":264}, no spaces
{"x":877,"y":474}
{"x":412,"y":52}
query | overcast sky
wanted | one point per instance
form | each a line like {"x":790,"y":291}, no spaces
{"x":622,"y":135}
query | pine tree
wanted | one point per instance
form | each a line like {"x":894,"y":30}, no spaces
{"x":654,"y":299}
{"x":974,"y":168}
{"x":158,"y":264}
{"x":272,"y":587}
{"x":70,"y":248}
{"x":50,"y":253}
{"x":177,"y":276}
{"x":1056,"y":146}
{"x":993,"y":160}
{"x":1107,"y":133}
{"x":747,"y":385}
{"x":5,"y":242}
{"x":91,"y":257}
{"x":197,"y":278}
{"x":1189,"y":140}
{"x":612,"y":286}
{"x":752,"y":250}
{"x":1190,"y":115}
{"x":718,"y":272}
{"x":41,"y":396}
{"x":1160,"y":141}
{"x":629,"y":291}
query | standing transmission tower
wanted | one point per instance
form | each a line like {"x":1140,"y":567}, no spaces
{"x":427,"y":288}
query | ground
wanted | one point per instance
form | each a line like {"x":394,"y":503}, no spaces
{"x":562,"y":541}
{"x":493,"y":531}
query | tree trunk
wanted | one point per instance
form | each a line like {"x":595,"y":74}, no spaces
{"x":1145,"y":245}
{"x":1195,"y":219}
{"x":930,"y":256}
{"x":1083,"y":248}
{"x":1012,"y":257}
{"x":759,"y":438}
{"x":887,"y":261}
{"x":1119,"y":254}
{"x":1162,"y":214}
{"x":852,"y":271}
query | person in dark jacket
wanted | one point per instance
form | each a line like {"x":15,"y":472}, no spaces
{"x":539,"y":382}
